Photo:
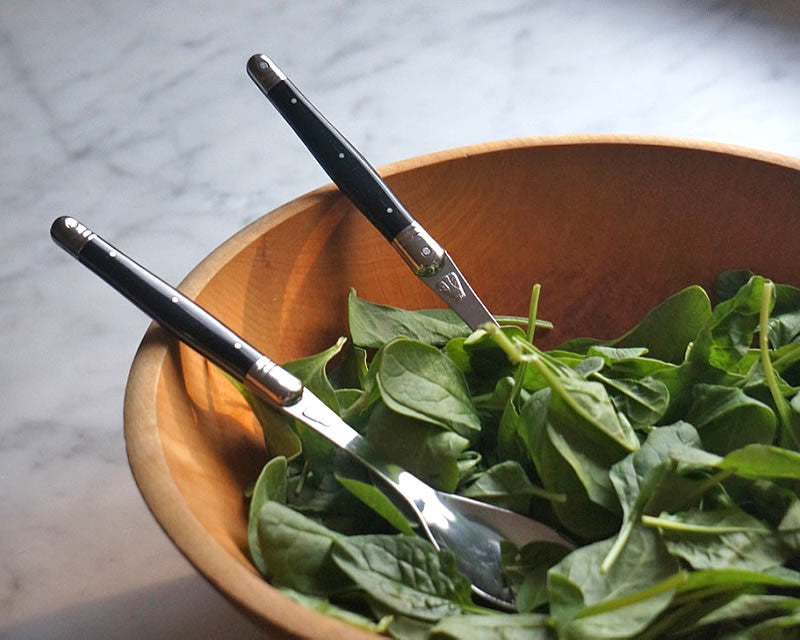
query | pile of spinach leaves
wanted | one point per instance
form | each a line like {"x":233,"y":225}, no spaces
{"x":670,"y":455}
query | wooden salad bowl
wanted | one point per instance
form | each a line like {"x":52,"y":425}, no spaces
{"x":608,"y":225}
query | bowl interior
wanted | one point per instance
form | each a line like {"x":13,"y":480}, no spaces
{"x":608,"y":227}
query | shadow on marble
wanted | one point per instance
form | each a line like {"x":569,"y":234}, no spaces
{"x":783,"y":9}
{"x":187,"y":608}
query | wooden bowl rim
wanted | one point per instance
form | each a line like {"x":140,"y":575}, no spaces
{"x":254,"y":596}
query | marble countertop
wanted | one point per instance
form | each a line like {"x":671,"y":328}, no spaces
{"x":139,"y":119}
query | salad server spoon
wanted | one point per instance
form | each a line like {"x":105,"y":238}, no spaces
{"x":359,"y":181}
{"x":470,"y":529}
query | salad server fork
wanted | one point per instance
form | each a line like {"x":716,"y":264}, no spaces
{"x":471,"y":530}
{"x":359,"y":181}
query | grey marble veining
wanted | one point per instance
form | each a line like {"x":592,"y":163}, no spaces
{"x":139,"y":119}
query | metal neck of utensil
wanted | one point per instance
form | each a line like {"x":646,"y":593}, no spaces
{"x":277,"y":384}
{"x":420,"y":251}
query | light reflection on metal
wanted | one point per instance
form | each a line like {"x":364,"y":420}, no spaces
{"x":278,"y":384}
{"x":420,"y":251}
{"x":430,"y":506}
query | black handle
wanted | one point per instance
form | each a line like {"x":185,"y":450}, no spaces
{"x":354,"y":176}
{"x":174,"y":311}
{"x":165,"y":304}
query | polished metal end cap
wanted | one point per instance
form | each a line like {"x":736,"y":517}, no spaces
{"x":264,"y":72}
{"x":70,"y":234}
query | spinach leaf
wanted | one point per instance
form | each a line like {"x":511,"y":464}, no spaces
{"x":419,"y":381}
{"x":317,"y":493}
{"x":789,"y":527}
{"x":727,"y":419}
{"x":620,"y":602}
{"x":346,"y":398}
{"x":493,"y":403}
{"x":297,"y":551}
{"x":677,"y":380}
{"x":406,"y":574}
{"x":643,"y":401}
{"x":271,"y":485}
{"x":668,"y":329}
{"x":711,"y":602}
{"x":456,"y":352}
{"x":526,"y":569}
{"x":612,"y":354}
{"x":580,"y":515}
{"x":728,"y":283}
{"x":680,"y":381}
{"x":645,"y":481}
{"x":762,"y":498}
{"x":424,"y":449}
{"x":351,"y":370}
{"x":787,"y":411}
{"x":468,"y":463}
{"x":357,"y":413}
{"x":324,"y":606}
{"x":755,"y":379}
{"x":483,"y":360}
{"x":589,"y":366}
{"x":323,"y":497}
{"x":376,"y":500}
{"x":728,"y":334}
{"x":584,"y":518}
{"x":530,"y":626}
{"x":590,"y":471}
{"x":312,"y":372}
{"x":735,"y":578}
{"x":561,"y":363}
{"x":720,"y":539}
{"x":685,"y":611}
{"x":584,"y":408}
{"x":372,"y":325}
{"x":783,"y":627}
{"x":509,"y":447}
{"x":784,"y":322}
{"x":586,"y":431}
{"x":748,"y":607}
{"x":761,"y":461}
{"x":507,"y":485}
{"x":635,"y":367}
{"x":401,"y":627}
{"x":665,"y":332}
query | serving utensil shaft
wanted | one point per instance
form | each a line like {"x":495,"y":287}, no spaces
{"x":472,"y":530}
{"x":359,"y":181}
{"x":174,"y":311}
